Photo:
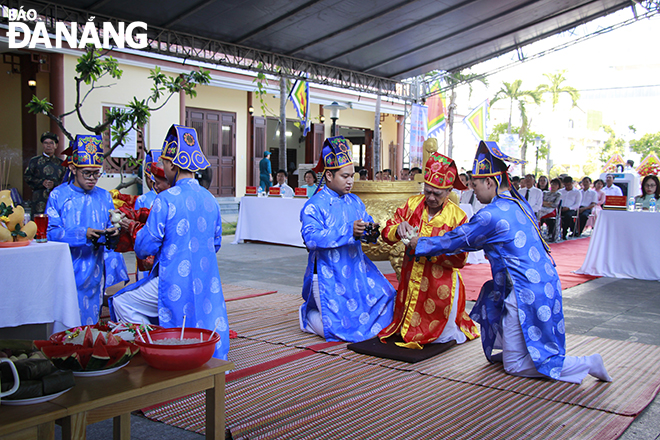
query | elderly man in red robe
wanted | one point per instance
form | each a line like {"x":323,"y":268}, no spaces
{"x":430,"y":301}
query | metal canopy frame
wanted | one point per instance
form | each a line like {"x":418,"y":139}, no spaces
{"x":370,"y":46}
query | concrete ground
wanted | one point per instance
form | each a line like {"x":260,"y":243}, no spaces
{"x":627,"y":310}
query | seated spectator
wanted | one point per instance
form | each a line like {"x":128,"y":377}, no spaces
{"x":415,"y":171}
{"x":310,"y":183}
{"x":404,"y":175}
{"x":387,"y":174}
{"x":598,"y":187}
{"x":285,"y":190}
{"x":469,"y":197}
{"x":533,"y":195}
{"x":587,"y":203}
{"x":611,"y":189}
{"x":547,"y":213}
{"x":543,"y":184}
{"x":364,"y":174}
{"x":650,"y":189}
{"x":379,"y":176}
{"x":570,"y":200}
{"x":515,"y":181}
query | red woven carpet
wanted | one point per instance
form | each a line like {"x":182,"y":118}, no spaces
{"x":568,"y":256}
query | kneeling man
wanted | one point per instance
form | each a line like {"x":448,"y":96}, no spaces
{"x":183,"y":231}
{"x":346,"y":297}
{"x":520,"y":310}
{"x":430,"y":301}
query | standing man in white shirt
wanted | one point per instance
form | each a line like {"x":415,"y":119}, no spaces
{"x":611,"y":189}
{"x":533,"y":195}
{"x":570,"y":203}
{"x":588,"y":201}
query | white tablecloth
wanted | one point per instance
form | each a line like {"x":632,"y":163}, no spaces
{"x":270,"y":219}
{"x":624,"y":245}
{"x":477,"y":257}
{"x":38,"y":286}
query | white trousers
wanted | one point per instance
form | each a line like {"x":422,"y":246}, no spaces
{"x":516,"y":358}
{"x":138,"y":305}
{"x":314,"y":317}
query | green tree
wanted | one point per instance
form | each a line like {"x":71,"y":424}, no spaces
{"x":648,"y":143}
{"x":612,"y":145}
{"x":514,"y":93}
{"x":455,"y":79}
{"x":528,"y":138}
{"x":555,"y":88}
{"x":94,"y":65}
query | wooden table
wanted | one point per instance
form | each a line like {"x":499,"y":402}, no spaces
{"x":115,"y":395}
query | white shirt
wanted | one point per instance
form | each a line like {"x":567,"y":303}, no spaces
{"x":285,"y":190}
{"x":612,"y":190}
{"x":468,"y":197}
{"x":588,"y":197}
{"x":535,"y":198}
{"x":570,"y":199}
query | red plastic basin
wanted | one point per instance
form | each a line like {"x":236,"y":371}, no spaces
{"x":178,"y":357}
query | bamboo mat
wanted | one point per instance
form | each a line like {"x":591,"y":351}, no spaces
{"x":283,"y":389}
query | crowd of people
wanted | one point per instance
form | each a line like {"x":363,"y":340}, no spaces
{"x":175,"y":229}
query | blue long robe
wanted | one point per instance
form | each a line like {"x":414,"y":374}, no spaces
{"x":145,"y":200}
{"x":356,"y":299}
{"x":184,"y":232}
{"x":71,"y":210}
{"x":519,"y":265}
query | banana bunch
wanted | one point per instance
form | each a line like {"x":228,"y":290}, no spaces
{"x":13,"y":226}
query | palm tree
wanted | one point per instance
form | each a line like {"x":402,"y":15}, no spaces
{"x":454,"y":79}
{"x":555,"y":89}
{"x":514,"y":93}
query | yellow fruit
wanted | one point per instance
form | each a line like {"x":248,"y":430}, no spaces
{"x":16,"y":218}
{"x":5,"y":196}
{"x":30,"y":231}
{"x":5,"y":235}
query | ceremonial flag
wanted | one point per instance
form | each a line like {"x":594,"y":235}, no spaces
{"x":476,"y":121}
{"x":300,"y":98}
{"x":418,"y":133}
{"x":437,"y":105}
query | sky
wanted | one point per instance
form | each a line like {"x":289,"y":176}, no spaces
{"x":609,"y":70}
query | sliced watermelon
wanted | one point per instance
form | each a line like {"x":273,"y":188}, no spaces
{"x":99,"y":358}
{"x":118,"y":355}
{"x":89,"y":338}
{"x":112,"y":340}
{"x":83,"y":355}
{"x":58,"y":351}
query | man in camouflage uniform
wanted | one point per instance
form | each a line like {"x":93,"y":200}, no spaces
{"x":43,"y":173}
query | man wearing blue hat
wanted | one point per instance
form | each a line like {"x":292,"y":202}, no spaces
{"x":520,"y":310}
{"x":265,"y":172}
{"x":147,"y":199}
{"x":78,"y":214}
{"x":183,"y":231}
{"x":346,"y":297}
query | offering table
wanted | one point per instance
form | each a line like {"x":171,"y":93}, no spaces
{"x":39,"y":287}
{"x":624,"y":245}
{"x":270,"y":219}
{"x":115,"y":395}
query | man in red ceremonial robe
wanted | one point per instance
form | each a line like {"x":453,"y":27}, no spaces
{"x":430,"y":301}
{"x":133,"y":220}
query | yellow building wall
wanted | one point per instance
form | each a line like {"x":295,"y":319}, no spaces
{"x":232,"y":101}
{"x":134,"y":82}
{"x":11,"y":144}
